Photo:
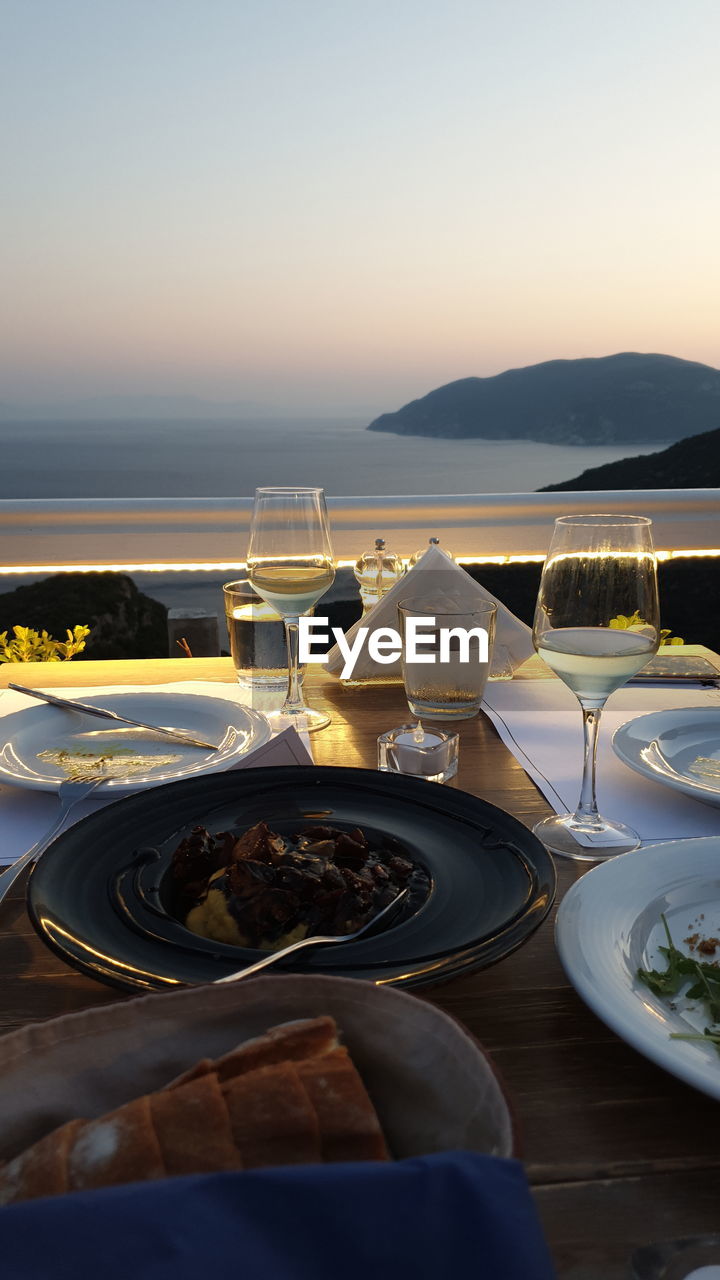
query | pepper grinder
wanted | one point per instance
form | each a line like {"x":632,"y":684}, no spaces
{"x":417,"y":555}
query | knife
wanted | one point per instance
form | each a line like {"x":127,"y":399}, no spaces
{"x":178,"y":735}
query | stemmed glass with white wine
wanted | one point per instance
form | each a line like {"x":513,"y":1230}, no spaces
{"x":290,"y":564}
{"x":600,"y":573}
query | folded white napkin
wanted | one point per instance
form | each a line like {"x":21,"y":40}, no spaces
{"x":450,"y":586}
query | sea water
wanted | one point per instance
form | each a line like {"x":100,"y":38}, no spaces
{"x":201,"y":459}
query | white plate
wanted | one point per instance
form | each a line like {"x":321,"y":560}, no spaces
{"x":665,"y":745}
{"x":32,"y":741}
{"x":609,"y":925}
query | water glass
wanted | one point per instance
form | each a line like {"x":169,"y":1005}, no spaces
{"x":257,"y":638}
{"x":446,"y":680}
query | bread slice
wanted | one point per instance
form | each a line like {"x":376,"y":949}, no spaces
{"x":349,"y":1126}
{"x":41,"y":1170}
{"x":288,"y":1042}
{"x":119,"y":1147}
{"x":193,"y":1129}
{"x":272,"y":1119}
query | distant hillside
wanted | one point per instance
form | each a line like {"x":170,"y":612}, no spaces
{"x":620,"y":399}
{"x":690,"y":464}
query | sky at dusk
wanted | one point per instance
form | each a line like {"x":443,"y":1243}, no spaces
{"x":327,"y":206}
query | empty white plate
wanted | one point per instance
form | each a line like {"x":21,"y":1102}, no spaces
{"x":680,"y":749}
{"x":43,"y":746}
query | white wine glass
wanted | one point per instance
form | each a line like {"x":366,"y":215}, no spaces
{"x":290,"y":564}
{"x":597,"y":623}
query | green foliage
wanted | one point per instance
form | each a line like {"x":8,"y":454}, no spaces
{"x":623,"y":623}
{"x":37,"y":646}
{"x":704,"y":980}
{"x":124,"y":623}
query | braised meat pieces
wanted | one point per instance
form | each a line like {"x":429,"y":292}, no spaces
{"x":262,"y":889}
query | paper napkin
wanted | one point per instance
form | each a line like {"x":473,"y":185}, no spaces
{"x":448,"y":585}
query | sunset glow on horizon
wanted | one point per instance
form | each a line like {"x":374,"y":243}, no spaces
{"x":327,"y":208}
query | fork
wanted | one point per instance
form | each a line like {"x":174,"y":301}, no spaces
{"x":70,"y":794}
{"x":315,"y":941}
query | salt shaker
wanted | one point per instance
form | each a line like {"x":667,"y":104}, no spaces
{"x":376,"y":572}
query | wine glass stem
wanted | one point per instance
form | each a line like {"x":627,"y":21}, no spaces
{"x":293,"y":697}
{"x":587,"y":805}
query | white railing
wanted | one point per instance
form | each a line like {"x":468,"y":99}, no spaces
{"x":38,"y":535}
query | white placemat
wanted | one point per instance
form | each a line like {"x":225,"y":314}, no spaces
{"x":25,"y":815}
{"x":540,"y":721}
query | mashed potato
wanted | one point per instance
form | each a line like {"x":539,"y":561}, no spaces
{"x":211,"y":919}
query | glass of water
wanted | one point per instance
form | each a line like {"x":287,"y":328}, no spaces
{"x":257,"y":638}
{"x":445,"y":678}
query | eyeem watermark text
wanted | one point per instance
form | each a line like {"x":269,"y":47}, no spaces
{"x":424,"y":642}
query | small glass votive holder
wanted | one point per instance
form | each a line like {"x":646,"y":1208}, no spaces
{"x":410,"y":750}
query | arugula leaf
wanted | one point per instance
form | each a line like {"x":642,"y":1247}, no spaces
{"x":711,"y":991}
{"x":705,"y":986}
{"x":667,"y":982}
{"x":707,"y":1034}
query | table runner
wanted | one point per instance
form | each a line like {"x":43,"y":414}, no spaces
{"x":26,"y":814}
{"x":540,"y":721}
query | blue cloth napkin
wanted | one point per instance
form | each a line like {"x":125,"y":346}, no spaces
{"x":456,"y":1214}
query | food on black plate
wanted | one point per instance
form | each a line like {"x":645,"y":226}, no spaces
{"x":265,"y":890}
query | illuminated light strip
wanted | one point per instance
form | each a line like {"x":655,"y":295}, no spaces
{"x":235,"y":566}
{"x":210,"y":567}
{"x":528,"y":559}
{"x":678,"y":555}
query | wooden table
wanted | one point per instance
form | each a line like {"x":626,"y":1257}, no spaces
{"x":618,"y":1152}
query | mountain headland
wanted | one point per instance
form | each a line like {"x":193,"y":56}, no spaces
{"x":629,"y":398}
{"x":693,"y":463}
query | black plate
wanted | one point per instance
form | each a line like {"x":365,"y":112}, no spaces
{"x":94,"y":895}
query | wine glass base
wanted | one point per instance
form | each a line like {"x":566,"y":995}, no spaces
{"x":304,"y":719}
{"x":560,"y":834}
